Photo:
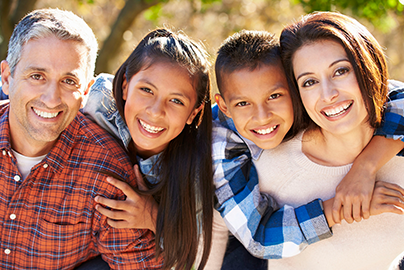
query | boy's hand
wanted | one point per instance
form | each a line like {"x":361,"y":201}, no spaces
{"x":354,"y":194}
{"x":387,"y":197}
{"x":136,"y":211}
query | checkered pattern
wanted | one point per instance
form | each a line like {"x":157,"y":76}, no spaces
{"x":250,"y":215}
{"x":393,"y":121}
{"x":48,"y":220}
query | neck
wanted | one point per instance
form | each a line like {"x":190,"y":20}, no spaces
{"x":335,"y":149}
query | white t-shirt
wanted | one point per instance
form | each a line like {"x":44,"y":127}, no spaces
{"x":293,"y":179}
{"x":25,"y":164}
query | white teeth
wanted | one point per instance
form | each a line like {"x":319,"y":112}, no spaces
{"x":337,"y":111}
{"x":149,"y":128}
{"x":265,"y":131}
{"x":45,"y":114}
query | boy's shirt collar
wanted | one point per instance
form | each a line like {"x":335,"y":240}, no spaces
{"x":219,"y":117}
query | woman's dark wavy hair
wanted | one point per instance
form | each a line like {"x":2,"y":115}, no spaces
{"x":363,"y":51}
{"x":185,"y":188}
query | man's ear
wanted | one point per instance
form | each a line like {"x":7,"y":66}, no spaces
{"x":5,"y":76}
{"x":222,"y":105}
{"x":86,"y":92}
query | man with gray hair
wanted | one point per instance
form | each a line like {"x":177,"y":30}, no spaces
{"x":54,"y":161}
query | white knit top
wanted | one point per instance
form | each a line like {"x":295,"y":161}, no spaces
{"x":291,"y":178}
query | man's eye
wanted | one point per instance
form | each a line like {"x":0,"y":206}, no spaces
{"x":36,"y":77}
{"x":70,"y":82}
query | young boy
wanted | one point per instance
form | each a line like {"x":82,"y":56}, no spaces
{"x":256,"y":112}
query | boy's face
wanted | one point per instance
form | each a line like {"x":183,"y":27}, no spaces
{"x":259,"y":103}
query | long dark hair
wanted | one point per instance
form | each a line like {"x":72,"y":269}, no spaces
{"x":363,"y":51}
{"x":185,"y":189}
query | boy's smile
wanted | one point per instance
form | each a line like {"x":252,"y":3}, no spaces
{"x":259,"y":103}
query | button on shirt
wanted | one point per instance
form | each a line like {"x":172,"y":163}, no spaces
{"x":49,"y":221}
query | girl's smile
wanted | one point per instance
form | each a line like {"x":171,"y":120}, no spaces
{"x":160,"y":101}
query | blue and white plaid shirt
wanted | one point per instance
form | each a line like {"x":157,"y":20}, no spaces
{"x":253,"y":217}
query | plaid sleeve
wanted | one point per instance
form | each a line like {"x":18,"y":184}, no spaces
{"x":392,"y":126}
{"x":251,"y":216}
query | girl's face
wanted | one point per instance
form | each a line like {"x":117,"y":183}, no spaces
{"x":160,"y":100}
{"x":328,"y":87}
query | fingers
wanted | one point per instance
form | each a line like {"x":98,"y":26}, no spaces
{"x":125,"y":187}
{"x":139,"y":179}
{"x":116,"y":215}
{"x":336,"y":209}
{"x":348,"y":211}
{"x":119,"y":224}
{"x":356,"y":210}
{"x":114,"y":204}
{"x":366,"y":208}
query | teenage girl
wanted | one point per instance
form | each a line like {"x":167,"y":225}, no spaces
{"x":161,"y":111}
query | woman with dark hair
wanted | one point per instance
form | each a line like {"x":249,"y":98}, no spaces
{"x":161,"y":111}
{"x":338,"y":72}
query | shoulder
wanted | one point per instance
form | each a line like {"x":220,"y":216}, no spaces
{"x":396,"y":90}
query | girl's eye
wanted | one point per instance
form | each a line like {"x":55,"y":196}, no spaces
{"x":341,"y":71}
{"x":274,"y":96}
{"x":177,"y":101}
{"x":242,"y":104}
{"x":147,"y":90}
{"x":309,"y":82}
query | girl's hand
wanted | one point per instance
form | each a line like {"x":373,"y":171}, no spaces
{"x":354,"y":194}
{"x":136,"y":211}
{"x":387,"y":197}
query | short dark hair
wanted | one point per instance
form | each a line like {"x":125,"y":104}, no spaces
{"x":246,"y":50}
{"x":363,"y":51}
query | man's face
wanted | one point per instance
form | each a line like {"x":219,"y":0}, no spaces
{"x":45,"y":92}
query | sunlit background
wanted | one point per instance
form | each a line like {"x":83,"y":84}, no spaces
{"x":209,"y":21}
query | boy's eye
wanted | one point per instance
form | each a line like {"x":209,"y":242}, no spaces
{"x":147,"y":90}
{"x":309,"y":82}
{"x":177,"y":101}
{"x":242,"y":104}
{"x":274,"y":96}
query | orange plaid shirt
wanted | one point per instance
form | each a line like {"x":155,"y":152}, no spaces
{"x":49,"y":221}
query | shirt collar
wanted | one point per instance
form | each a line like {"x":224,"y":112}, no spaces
{"x":227,"y":122}
{"x":149,"y":168}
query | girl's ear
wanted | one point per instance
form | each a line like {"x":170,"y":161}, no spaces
{"x":222,"y":105}
{"x":124,"y":88}
{"x":194,"y":113}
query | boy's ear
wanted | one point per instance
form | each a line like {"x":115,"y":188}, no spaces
{"x":222,"y":105}
{"x":5,"y":77}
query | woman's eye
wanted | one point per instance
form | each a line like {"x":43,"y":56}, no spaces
{"x":309,"y":83}
{"x":177,"y":101}
{"x":242,"y":104}
{"x":147,"y":90}
{"x":274,"y":96}
{"x":341,"y":71}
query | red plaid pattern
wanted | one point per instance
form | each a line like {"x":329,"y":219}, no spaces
{"x":49,"y":221}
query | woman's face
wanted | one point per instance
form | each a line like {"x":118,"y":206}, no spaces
{"x":328,"y":87}
{"x":160,"y":100}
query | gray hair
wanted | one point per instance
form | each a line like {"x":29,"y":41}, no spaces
{"x":64,"y":25}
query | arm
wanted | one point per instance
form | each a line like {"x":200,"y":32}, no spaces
{"x":250,"y":215}
{"x":355,"y":190}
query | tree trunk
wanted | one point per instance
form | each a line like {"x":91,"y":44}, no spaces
{"x":9,"y":18}
{"x":113,"y":42}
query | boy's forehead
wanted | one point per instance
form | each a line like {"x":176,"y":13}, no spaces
{"x":243,"y":79}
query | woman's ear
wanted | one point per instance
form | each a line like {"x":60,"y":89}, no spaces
{"x":194,"y":113}
{"x":124,"y":88}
